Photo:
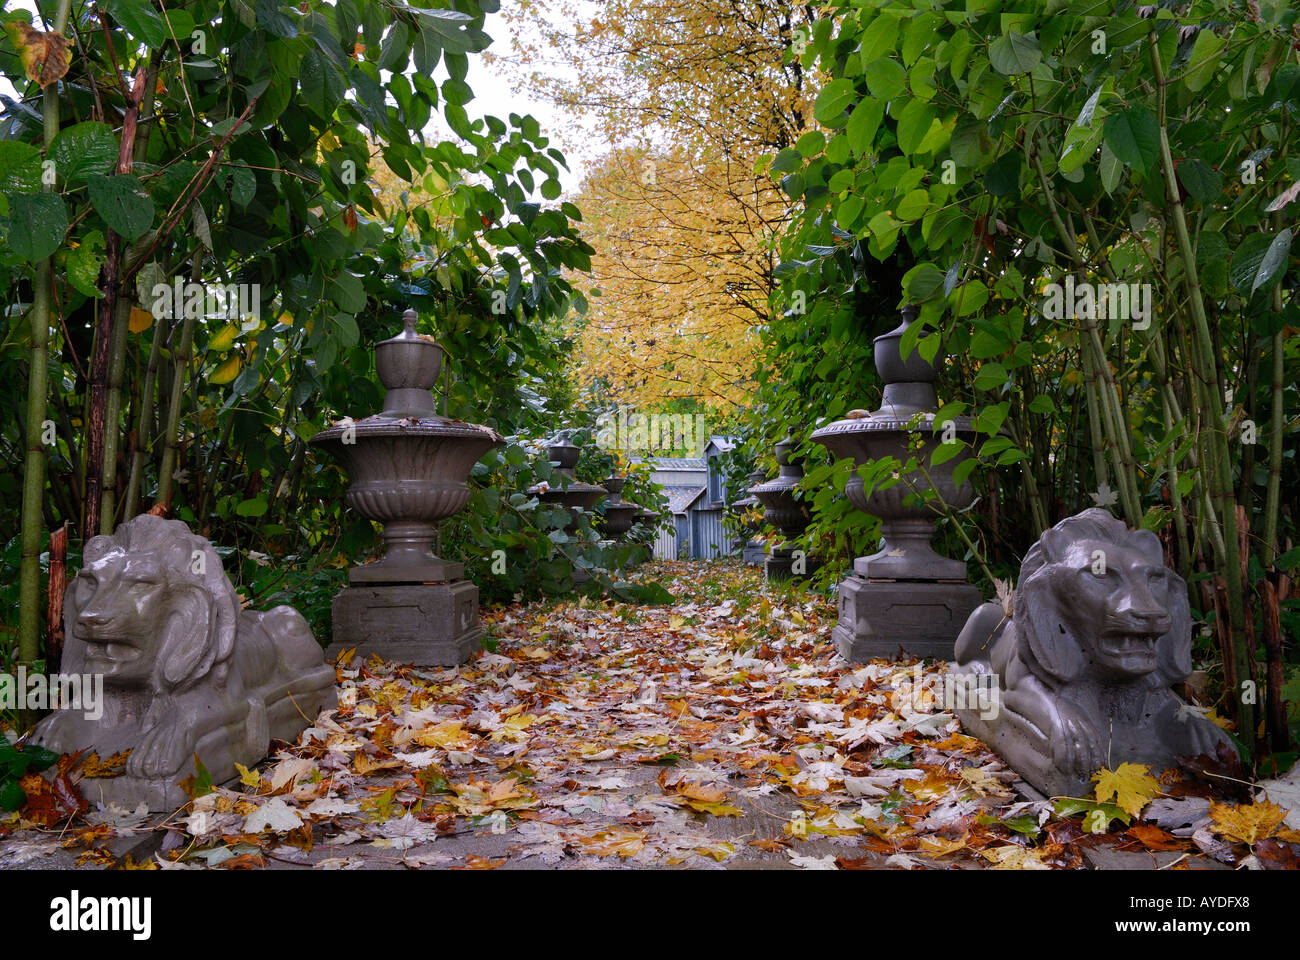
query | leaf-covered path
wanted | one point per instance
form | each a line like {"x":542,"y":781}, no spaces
{"x":719,"y":731}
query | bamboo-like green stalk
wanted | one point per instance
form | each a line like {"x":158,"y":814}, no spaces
{"x":121,"y":324}
{"x":30,"y":609}
{"x":143,"y":417}
{"x":1111,"y":410}
{"x":112,"y":413}
{"x":1273,"y":492}
{"x":1217,"y":440}
{"x":1094,"y":418}
{"x":180,"y":371}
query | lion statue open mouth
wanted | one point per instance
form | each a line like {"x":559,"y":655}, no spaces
{"x":185,"y":671}
{"x":1100,"y":632}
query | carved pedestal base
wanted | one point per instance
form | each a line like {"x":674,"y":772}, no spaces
{"x":427,"y":624}
{"x":880,"y":618}
{"x":752,"y":555}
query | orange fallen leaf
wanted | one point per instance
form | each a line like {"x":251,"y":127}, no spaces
{"x":1153,"y":838}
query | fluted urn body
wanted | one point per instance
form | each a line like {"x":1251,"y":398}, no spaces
{"x":567,"y":490}
{"x":781,"y":509}
{"x":907,"y":412}
{"x":619,"y":514}
{"x":408,"y":466}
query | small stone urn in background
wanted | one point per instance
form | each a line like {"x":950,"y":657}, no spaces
{"x":905,"y":596}
{"x":786,"y":513}
{"x":567,"y":490}
{"x":408,"y":467}
{"x":752,"y":553}
{"x":619,"y":513}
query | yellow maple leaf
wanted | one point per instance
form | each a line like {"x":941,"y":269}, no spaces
{"x":1246,"y":823}
{"x":114,"y":766}
{"x":1015,"y":857}
{"x":608,"y":843}
{"x":933,"y":846}
{"x":249,"y":778}
{"x":513,"y":729}
{"x":1131,"y":786}
{"x":718,"y":851}
{"x":363,"y":764}
{"x":446,"y":734}
{"x":934,"y":786}
{"x":983,"y":783}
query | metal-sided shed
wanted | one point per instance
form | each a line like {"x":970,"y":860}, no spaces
{"x":697,"y":500}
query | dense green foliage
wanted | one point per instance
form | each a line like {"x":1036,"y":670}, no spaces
{"x":970,"y":155}
{"x":287,"y":147}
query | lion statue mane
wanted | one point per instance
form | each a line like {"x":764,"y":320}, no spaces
{"x":185,"y":671}
{"x":1084,"y":668}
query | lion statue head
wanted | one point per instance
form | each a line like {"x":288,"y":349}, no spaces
{"x":1096,"y":598}
{"x":151,"y":572}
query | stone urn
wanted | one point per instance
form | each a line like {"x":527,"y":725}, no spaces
{"x":408,"y":468}
{"x":566,"y":490}
{"x":619,"y":513}
{"x":783,"y":511}
{"x":752,"y":553}
{"x":905,"y":595}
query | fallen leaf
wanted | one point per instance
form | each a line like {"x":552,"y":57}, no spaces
{"x":1131,"y":786}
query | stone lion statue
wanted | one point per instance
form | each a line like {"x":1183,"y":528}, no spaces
{"x":1100,"y":631}
{"x":185,"y":671}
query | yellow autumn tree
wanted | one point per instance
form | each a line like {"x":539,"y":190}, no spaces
{"x":688,"y":97}
{"x":684,"y":271}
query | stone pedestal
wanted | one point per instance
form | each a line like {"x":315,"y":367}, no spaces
{"x":780,"y":564}
{"x":427,"y":624}
{"x":753,"y":554}
{"x":878,"y":618}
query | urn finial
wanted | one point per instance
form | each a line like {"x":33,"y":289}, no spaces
{"x":408,"y":366}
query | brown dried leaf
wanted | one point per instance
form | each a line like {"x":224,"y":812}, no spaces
{"x":45,"y":56}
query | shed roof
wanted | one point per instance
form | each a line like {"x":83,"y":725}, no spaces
{"x":675,"y":463}
{"x":681,"y":498}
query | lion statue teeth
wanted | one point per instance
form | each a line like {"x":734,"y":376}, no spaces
{"x":1084,"y":669}
{"x":186,"y":671}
